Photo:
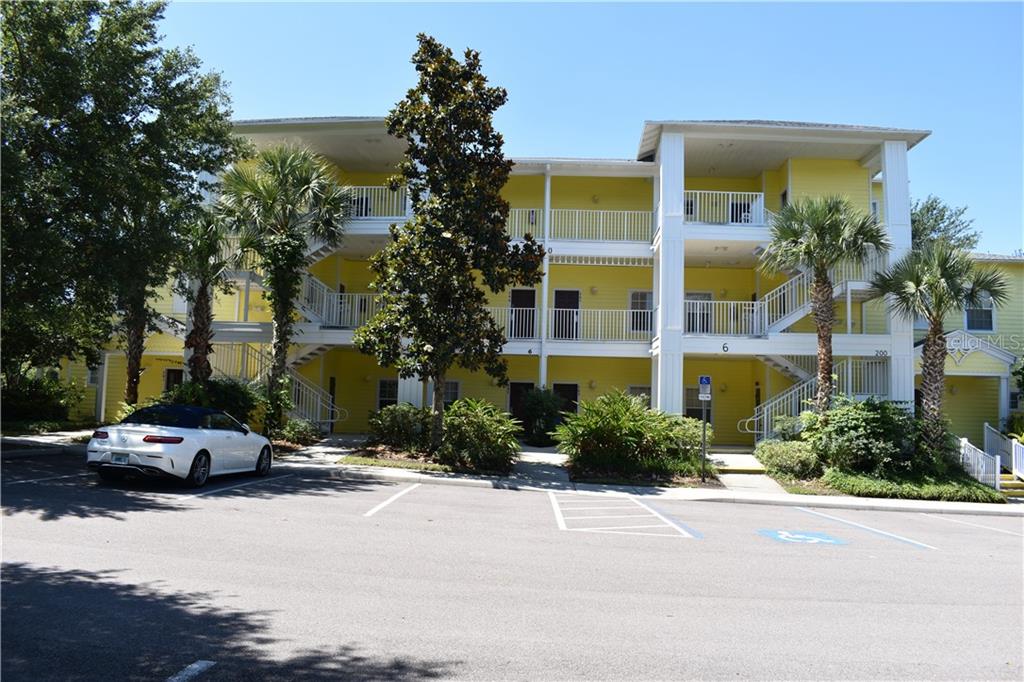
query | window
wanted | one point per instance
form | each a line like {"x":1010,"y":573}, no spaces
{"x":220,"y":422}
{"x":387,"y":393}
{"x":641,"y":303}
{"x":451,"y":393}
{"x":178,"y":304}
{"x":1016,"y":400}
{"x":173,"y":377}
{"x":93,"y":376}
{"x":693,"y":404}
{"x":641,"y":391}
{"x":980,"y":319}
{"x":875,"y":211}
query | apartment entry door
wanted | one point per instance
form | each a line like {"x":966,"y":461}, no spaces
{"x":567,"y":314}
{"x":517,"y":391}
{"x":523,"y":314}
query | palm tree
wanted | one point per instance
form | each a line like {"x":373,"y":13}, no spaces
{"x":278,"y":202}
{"x":202,"y":269}
{"x":935,"y":280}
{"x":818,"y":234}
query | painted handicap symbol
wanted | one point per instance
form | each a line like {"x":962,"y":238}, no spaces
{"x":801,"y":537}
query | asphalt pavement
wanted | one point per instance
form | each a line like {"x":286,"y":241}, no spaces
{"x":305,"y":575}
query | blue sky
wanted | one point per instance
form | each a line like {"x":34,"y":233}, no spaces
{"x":582,"y":78}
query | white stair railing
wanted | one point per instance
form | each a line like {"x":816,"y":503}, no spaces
{"x":246,"y":362}
{"x":998,"y":445}
{"x":313,"y":297}
{"x":980,"y":465}
{"x":1017,"y":467}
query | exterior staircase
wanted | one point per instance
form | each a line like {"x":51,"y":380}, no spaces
{"x":1011,"y":486}
{"x":861,"y":378}
{"x":796,"y":367}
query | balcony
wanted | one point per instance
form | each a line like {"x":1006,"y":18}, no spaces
{"x":725,"y":208}
{"x":582,"y":225}
{"x":375,"y":201}
{"x":574,"y":325}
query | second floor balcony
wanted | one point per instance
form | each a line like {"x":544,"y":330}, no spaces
{"x":573,"y":224}
{"x":710,"y":207}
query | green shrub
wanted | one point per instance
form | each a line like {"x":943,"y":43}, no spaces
{"x":542,"y":410}
{"x":1015,"y":425}
{"x":617,"y":435}
{"x":43,"y":398}
{"x":950,"y":488}
{"x":244,"y":401}
{"x":401,"y":426}
{"x":301,"y":431}
{"x":868,"y":436}
{"x":478,"y":436}
{"x":787,"y":428}
{"x":792,"y":459}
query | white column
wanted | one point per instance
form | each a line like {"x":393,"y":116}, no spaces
{"x":669,"y":258}
{"x":410,"y":391}
{"x":542,"y":309}
{"x":896,"y":191}
{"x":1004,"y":400}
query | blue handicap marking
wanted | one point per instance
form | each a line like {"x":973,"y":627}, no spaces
{"x":801,"y":537}
{"x":705,"y":380}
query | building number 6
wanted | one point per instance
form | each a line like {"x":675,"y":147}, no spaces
{"x":725,"y":348}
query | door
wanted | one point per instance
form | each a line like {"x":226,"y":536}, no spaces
{"x":569,"y":393}
{"x":698,"y":312}
{"x":225,"y":444}
{"x":522,"y":314}
{"x":517,"y":391}
{"x":566,"y":323}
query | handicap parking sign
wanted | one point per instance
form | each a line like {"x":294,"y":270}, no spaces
{"x":800,"y":537}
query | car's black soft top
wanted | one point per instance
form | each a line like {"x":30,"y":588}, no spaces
{"x":180,"y":416}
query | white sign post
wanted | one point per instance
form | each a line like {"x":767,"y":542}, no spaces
{"x":704,"y":394}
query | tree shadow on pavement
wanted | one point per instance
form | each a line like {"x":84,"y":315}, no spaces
{"x":90,"y":626}
{"x":86,"y":497}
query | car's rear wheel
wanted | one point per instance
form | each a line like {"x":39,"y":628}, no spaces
{"x":200,"y":471}
{"x":264,"y":462}
{"x":110,"y":475}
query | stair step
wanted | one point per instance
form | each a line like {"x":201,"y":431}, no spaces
{"x":1012,"y":485}
{"x":1012,"y":493}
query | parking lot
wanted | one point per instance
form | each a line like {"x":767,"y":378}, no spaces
{"x":305,"y":575}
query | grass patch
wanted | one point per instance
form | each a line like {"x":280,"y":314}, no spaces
{"x":951,"y":488}
{"x":682,"y":476}
{"x":813,"y":486}
{"x":416,"y":465}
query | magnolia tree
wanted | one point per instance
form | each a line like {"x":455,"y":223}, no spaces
{"x":433,"y":313}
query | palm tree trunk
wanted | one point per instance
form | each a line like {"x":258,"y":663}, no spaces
{"x":823,"y":311}
{"x":134,"y":346}
{"x":199,"y":339}
{"x":933,"y":385}
{"x":437,"y":426}
{"x":278,"y":380}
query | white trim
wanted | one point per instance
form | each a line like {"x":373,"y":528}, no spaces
{"x":380,"y":380}
{"x":992,"y":330}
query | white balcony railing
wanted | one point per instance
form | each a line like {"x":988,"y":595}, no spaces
{"x":589,"y":225}
{"x":523,"y":221}
{"x":349,"y":311}
{"x":725,"y":208}
{"x":376,"y":201}
{"x":722,"y":318}
{"x":517,"y":323}
{"x":600,"y":325}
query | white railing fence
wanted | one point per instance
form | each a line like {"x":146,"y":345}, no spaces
{"x":722,"y":318}
{"x":1017,"y":468}
{"x":725,"y":208}
{"x":349,"y":311}
{"x":376,"y":201}
{"x":580,"y":224}
{"x":566,"y":324}
{"x":249,"y":362}
{"x":517,"y":323}
{"x":313,"y":297}
{"x":980,"y":465}
{"x":998,"y":445}
{"x":523,"y":221}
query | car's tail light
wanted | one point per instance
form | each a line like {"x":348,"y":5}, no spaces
{"x":172,"y":440}
{"x":100,"y":435}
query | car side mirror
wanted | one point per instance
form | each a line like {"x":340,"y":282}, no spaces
{"x":246,"y":429}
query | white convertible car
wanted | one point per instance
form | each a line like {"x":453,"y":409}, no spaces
{"x":189,"y":443}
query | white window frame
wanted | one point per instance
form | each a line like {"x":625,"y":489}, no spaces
{"x":638,"y":390}
{"x":711,"y":403}
{"x":92,"y":375}
{"x":991,"y":308}
{"x":179,"y":304}
{"x":444,"y":393}
{"x":380,"y":384}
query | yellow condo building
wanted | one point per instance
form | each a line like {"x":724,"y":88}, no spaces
{"x":651,"y":280}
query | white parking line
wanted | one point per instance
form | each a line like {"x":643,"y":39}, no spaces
{"x":567,"y":513}
{"x":391,"y":499}
{"x":48,"y":478}
{"x":191,"y":671}
{"x":968,"y":523}
{"x":240,"y":485}
{"x":867,"y":528}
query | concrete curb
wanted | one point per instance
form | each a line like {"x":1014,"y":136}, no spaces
{"x":381,"y":475}
{"x":10,"y":450}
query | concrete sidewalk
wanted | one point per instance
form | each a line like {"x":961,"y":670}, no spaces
{"x":522,"y":480}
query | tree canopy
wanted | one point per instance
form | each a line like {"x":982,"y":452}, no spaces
{"x":931,"y":219}
{"x":107,"y":137}
{"x":431,"y":274}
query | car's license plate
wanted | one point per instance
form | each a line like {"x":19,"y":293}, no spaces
{"x":119,"y":458}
